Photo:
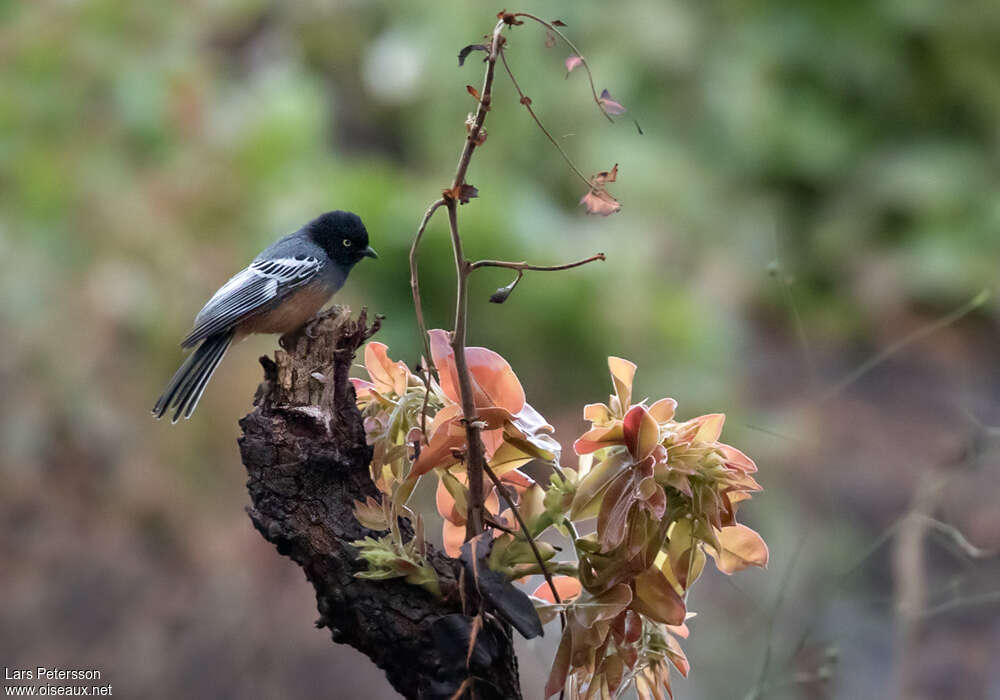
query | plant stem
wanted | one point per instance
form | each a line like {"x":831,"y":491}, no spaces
{"x":502,"y":490}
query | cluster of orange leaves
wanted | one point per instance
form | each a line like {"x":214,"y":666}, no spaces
{"x":659,"y":496}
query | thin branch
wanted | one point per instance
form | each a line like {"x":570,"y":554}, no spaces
{"x":919,"y":334}
{"x":486,"y":97}
{"x":415,"y":276}
{"x":526,"y":101}
{"x":502,"y":490}
{"x":583,"y":61}
{"x":419,"y":309}
{"x":537,"y":268}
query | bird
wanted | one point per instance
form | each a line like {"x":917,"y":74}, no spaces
{"x":278,"y":292}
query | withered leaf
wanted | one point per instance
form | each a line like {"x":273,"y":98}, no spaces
{"x":509,"y":18}
{"x":598,"y":200}
{"x":611,"y":106}
{"x":463,"y":193}
{"x":606,"y":176}
{"x":601,"y":203}
{"x":474,"y":92}
{"x":550,"y":40}
{"x":507,"y":602}
{"x":558,"y":23}
{"x":572,"y":62}
{"x":467,"y":192}
{"x":464,"y":53}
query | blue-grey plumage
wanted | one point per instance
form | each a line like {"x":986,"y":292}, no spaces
{"x":278,"y":292}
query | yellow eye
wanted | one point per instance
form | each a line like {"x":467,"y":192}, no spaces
{"x":347,"y":243}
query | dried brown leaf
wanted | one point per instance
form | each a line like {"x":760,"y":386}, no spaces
{"x":601,"y":203}
{"x":467,"y":192}
{"x":606,"y":176}
{"x":509,"y":18}
{"x":472,"y":91}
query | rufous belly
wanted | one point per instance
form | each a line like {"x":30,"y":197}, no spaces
{"x":290,"y":315}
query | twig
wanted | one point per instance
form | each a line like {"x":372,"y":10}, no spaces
{"x":502,"y":490}
{"x":538,"y":268}
{"x":922,"y":332}
{"x":583,"y":61}
{"x":419,"y":310}
{"x":415,"y":277}
{"x":526,"y":101}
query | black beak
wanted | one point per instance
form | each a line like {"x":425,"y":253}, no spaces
{"x":369,"y":252}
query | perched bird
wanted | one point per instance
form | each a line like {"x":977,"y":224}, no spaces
{"x":280,"y":290}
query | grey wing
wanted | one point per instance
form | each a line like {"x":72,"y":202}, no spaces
{"x":251,"y":291}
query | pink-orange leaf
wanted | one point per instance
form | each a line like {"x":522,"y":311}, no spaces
{"x":387,"y":375}
{"x":572,"y":62}
{"x":741,"y":547}
{"x":622,"y":374}
{"x":599,"y":438}
{"x":710,"y":427}
{"x":493,"y":381}
{"x":567,"y":586}
{"x":663,"y":410}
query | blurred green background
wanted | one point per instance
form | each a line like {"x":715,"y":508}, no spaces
{"x":815,"y":184}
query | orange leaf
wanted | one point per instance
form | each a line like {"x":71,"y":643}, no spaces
{"x":663,"y":410}
{"x":493,"y":381}
{"x":597,"y":413}
{"x":737,"y":460}
{"x":387,"y":375}
{"x":622,"y":374}
{"x":472,"y":91}
{"x":656,"y":598}
{"x":710,"y":427}
{"x":599,"y":438}
{"x":741,"y":548}
{"x":447,"y":433}
{"x":362,"y":389}
{"x":567,"y":587}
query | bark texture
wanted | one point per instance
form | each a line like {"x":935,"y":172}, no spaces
{"x":307,"y":461}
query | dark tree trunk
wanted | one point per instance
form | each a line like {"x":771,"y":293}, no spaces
{"x":305,"y":453}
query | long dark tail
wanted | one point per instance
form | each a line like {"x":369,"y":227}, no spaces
{"x":188,"y":382}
